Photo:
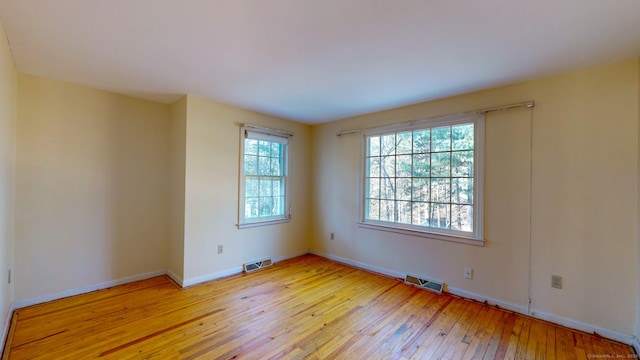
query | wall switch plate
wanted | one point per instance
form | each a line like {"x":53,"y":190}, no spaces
{"x":556,"y":281}
{"x":220,"y":249}
{"x":468,"y":273}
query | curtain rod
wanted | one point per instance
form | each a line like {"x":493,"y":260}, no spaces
{"x":261,"y":128}
{"x":527,"y":104}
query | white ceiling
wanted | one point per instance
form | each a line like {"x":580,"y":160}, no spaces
{"x":314,"y":60}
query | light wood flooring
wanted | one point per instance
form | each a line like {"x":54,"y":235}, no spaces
{"x":303,"y":308}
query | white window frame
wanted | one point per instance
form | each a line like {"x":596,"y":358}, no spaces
{"x":278,"y":136}
{"x":476,"y":237}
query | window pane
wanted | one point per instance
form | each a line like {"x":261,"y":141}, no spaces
{"x":422,"y":165}
{"x":388,"y":166}
{"x":462,"y":137}
{"x":266,"y":206}
{"x":420,"y":189}
{"x":250,"y":165}
{"x":441,"y":190}
{"x":264,"y":148}
{"x":403,"y":189}
{"x":388,"y":144}
{"x":251,"y":187}
{"x":372,"y":210}
{"x":373,"y":146}
{"x":265,"y":187}
{"x":387,"y":188}
{"x":387,"y":210}
{"x":441,"y":164}
{"x":373,"y":188}
{"x":462,"y":190}
{"x":251,"y":207}
{"x":422,"y":141}
{"x":441,"y":139}
{"x":440,"y":216}
{"x":404,"y":212}
{"x":462,"y":217}
{"x":403,"y":166}
{"x":276,"y":149}
{"x":251,"y":146}
{"x":264,"y":165}
{"x":278,"y":187}
{"x":462,"y":163}
{"x":278,"y":205}
{"x":264,"y":179}
{"x":420,"y":214}
{"x":373,"y":167}
{"x":404,"y":143}
{"x":276,"y":167}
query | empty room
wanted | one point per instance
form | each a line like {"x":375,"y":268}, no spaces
{"x":319,"y":179}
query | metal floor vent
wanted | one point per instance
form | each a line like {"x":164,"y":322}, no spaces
{"x":257,"y":265}
{"x":432,"y":285}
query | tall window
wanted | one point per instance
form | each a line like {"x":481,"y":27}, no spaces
{"x":426,"y":178}
{"x":263,"y":189}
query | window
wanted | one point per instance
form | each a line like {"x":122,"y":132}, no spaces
{"x":263,"y":181}
{"x":426,"y":178}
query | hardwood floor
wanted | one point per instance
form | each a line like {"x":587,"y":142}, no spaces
{"x":307,"y":307}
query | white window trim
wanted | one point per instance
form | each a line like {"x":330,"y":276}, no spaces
{"x":279,"y":136}
{"x":475,"y":238}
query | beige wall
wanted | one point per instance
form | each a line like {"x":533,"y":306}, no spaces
{"x":584,"y":198}
{"x":8,"y":115}
{"x":177,"y":168}
{"x":92,"y":183}
{"x":211,"y":195}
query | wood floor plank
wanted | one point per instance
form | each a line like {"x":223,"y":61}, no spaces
{"x":302,"y":308}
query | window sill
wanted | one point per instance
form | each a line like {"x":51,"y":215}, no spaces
{"x":451,"y":238}
{"x":262,"y":223}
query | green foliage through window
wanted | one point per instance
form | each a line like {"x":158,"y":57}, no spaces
{"x":423,"y":177}
{"x":264,"y":178}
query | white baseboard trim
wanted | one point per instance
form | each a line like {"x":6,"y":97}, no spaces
{"x":573,"y":324}
{"x":636,"y":345}
{"x":213,"y":276}
{"x":588,"y":328}
{"x":290,"y":256}
{"x":359,"y":264}
{"x":6,"y":326}
{"x":490,"y":301}
{"x":83,"y":290}
{"x":234,"y":270}
{"x":177,"y":279}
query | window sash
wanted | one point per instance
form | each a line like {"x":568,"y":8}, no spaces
{"x":252,"y":202}
{"x":468,"y":201}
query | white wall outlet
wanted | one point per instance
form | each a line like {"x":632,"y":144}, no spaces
{"x":220,"y":249}
{"x":556,"y":281}
{"x":333,"y":236}
{"x":468,"y":273}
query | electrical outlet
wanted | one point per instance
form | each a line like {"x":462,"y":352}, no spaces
{"x":556,"y":281}
{"x":333,"y":237}
{"x":468,"y":273}
{"x":220,"y":249}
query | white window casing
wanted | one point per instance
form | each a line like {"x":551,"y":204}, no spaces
{"x":264,"y":177}
{"x":418,"y":186}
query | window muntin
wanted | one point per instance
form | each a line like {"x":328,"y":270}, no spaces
{"x":263,"y":193}
{"x":426,"y":178}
